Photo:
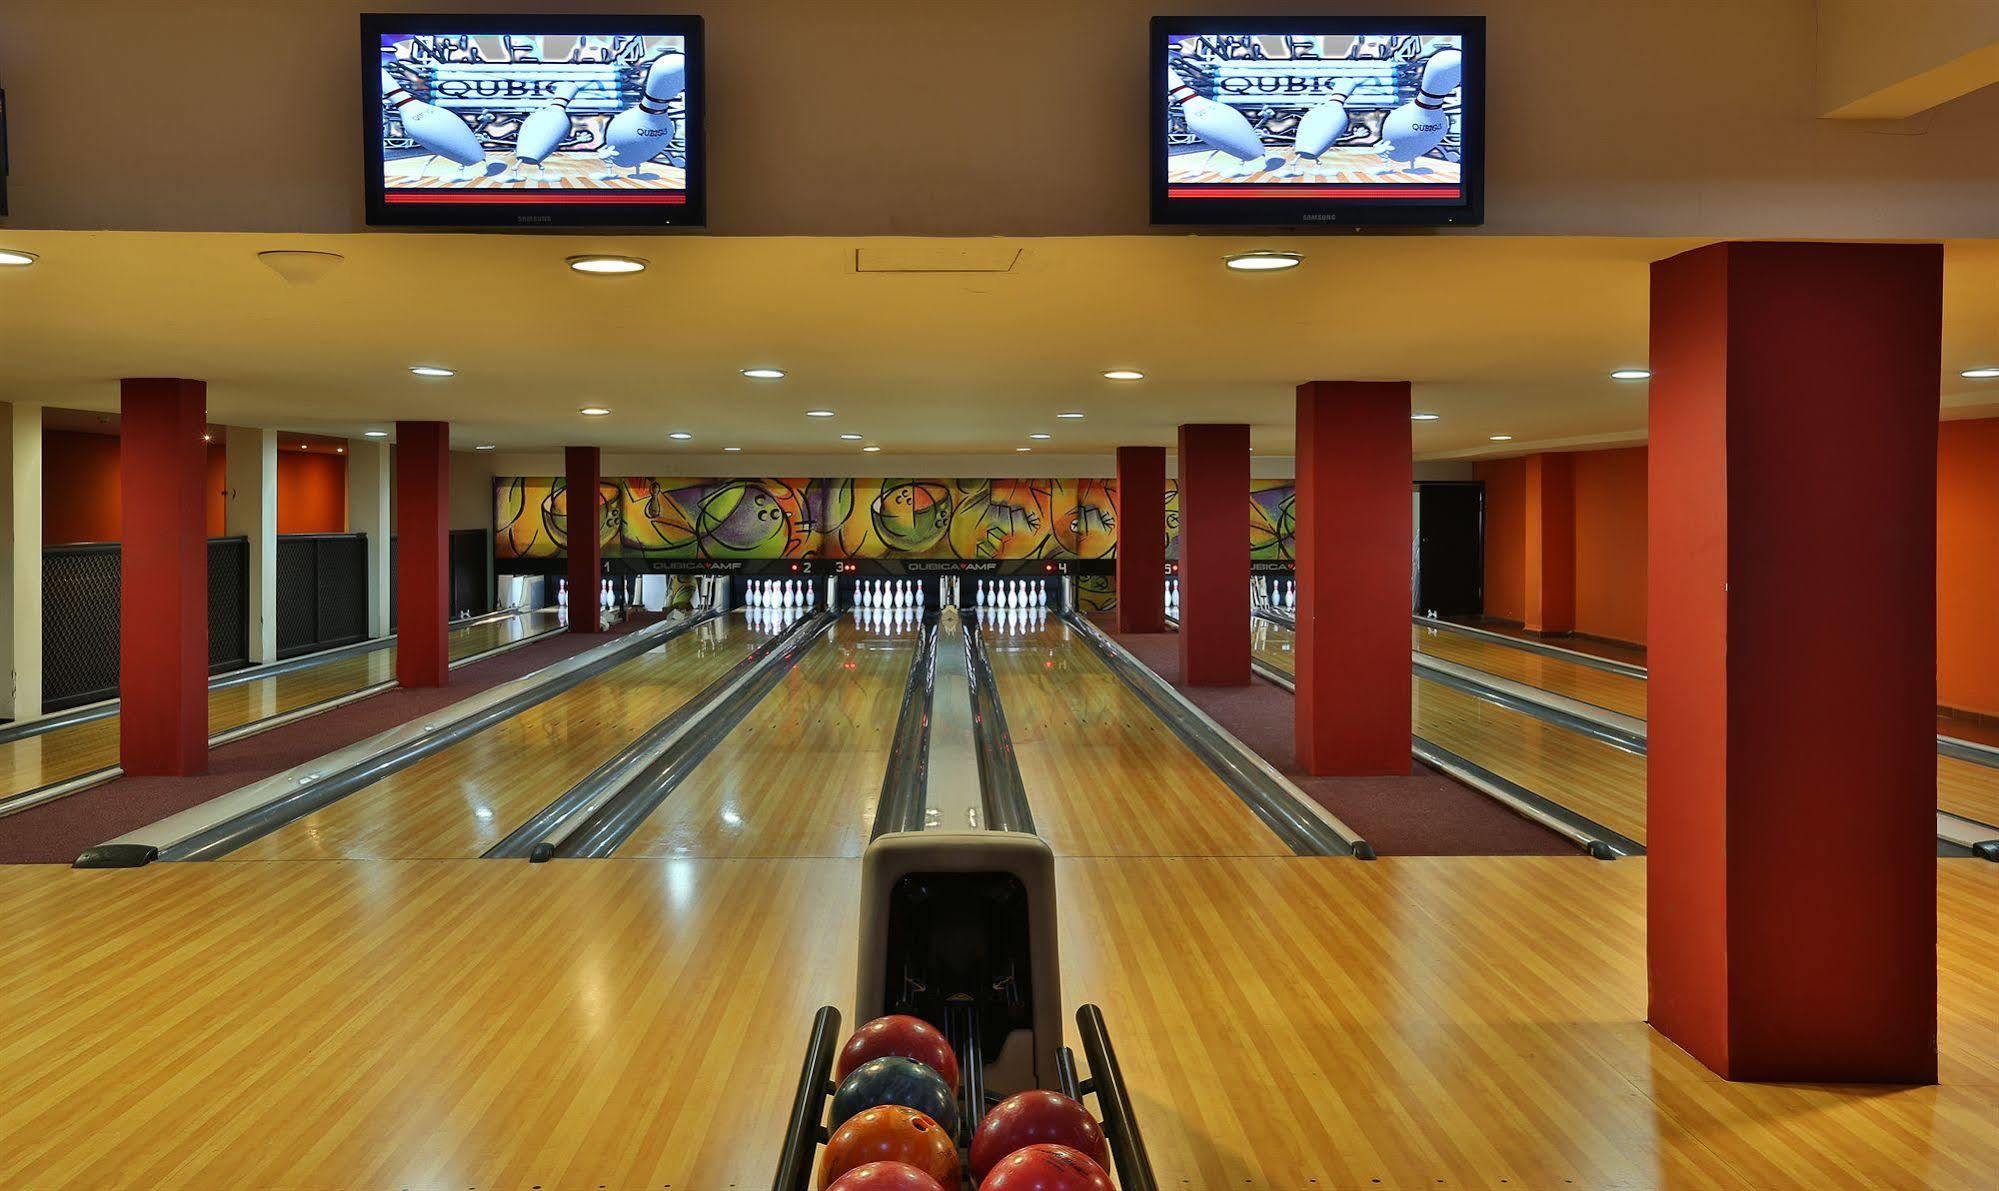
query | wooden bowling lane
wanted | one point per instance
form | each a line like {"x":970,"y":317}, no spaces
{"x":463,"y":800}
{"x":801,"y":774}
{"x":1104,"y":776}
{"x":1600,"y":688}
{"x":1968,"y":789}
{"x":1493,"y":1036}
{"x":64,"y":753}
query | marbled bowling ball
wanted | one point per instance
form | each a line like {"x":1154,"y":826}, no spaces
{"x":893,"y":1079}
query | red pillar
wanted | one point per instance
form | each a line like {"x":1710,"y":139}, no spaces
{"x":583,"y":468}
{"x":1214,"y":555}
{"x":1141,"y":539}
{"x":1352,"y":661}
{"x":423,"y":553}
{"x":163,"y":578}
{"x":1792,"y":593}
{"x":1551,"y":544}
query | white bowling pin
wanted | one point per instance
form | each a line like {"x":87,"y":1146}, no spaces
{"x":1218,"y":125}
{"x":1318,"y":130}
{"x":562,"y":593}
{"x":1418,"y":126}
{"x":442,"y":132}
{"x":543,"y":132}
{"x":1290,"y":595}
{"x":638,"y":134}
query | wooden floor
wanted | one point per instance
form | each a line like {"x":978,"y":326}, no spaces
{"x":463,"y":800}
{"x":65,"y":753}
{"x":1283,"y":1022}
{"x":1600,"y":688}
{"x":1095,"y":760}
{"x":801,"y":775}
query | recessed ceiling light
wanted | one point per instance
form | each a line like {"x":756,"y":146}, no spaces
{"x":1631,"y":374}
{"x":374,"y":434}
{"x":871,"y":450}
{"x":208,"y":438}
{"x":14,"y":258}
{"x":1023,"y":450}
{"x":1040,"y":436}
{"x":1423,"y":417}
{"x":607,"y":264}
{"x":1500,"y":437}
{"x":853,"y":437}
{"x":340,"y":450}
{"x":304,"y":447}
{"x":1979,"y":373}
{"x":679,"y":436}
{"x":593,"y":411}
{"x":1124,"y":374}
{"x":1070,"y":414}
{"x":1263,"y":261}
{"x":818,"y":413}
{"x":484,"y":446}
{"x":432,"y":370}
{"x":732,"y":450}
{"x":764,"y":373}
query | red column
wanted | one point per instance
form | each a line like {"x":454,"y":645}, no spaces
{"x":1551,"y":544}
{"x":423,"y":553}
{"x":1352,"y":661}
{"x":163,"y":578}
{"x":1141,"y":539}
{"x":1792,"y":587}
{"x":1214,"y":555}
{"x":583,"y":467}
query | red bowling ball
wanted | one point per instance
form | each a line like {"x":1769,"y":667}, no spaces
{"x":1046,"y":1168}
{"x":903,"y":1036}
{"x":885,"y":1176}
{"x":1033,"y":1118}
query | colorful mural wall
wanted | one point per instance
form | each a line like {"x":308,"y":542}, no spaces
{"x":771,"y":518}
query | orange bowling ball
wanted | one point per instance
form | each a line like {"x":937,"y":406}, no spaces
{"x":890,"y":1133}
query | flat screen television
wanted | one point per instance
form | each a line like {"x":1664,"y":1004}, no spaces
{"x":1340,"y":121}
{"x":532,"y":121}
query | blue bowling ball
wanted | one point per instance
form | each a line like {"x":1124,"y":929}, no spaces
{"x":892,"y":1079}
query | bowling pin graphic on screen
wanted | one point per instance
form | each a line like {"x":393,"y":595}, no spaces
{"x":1222,"y":128}
{"x":1412,"y":131}
{"x":443,"y":133}
{"x":644,"y":132}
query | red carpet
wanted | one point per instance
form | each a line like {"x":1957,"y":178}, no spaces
{"x":56,"y":832}
{"x":1424,"y":814}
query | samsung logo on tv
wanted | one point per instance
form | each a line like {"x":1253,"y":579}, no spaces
{"x":534,"y":219}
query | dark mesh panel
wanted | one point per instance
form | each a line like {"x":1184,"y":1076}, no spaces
{"x":342,"y":589}
{"x":79,"y":624}
{"x":394,"y":572}
{"x":298,"y":595}
{"x":228,"y":604}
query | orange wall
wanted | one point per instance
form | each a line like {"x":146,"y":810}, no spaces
{"x":80,"y":488}
{"x":1505,"y":538}
{"x":1610,"y":543}
{"x":1968,"y":566}
{"x":312,"y":492}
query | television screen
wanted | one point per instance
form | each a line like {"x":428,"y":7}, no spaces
{"x":533,"y":121}
{"x":1309,"y":121}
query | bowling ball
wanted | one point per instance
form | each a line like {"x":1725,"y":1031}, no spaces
{"x":1046,"y":1168}
{"x":891,"y":1133}
{"x":893,"y":1079}
{"x":1033,"y":1118}
{"x":899,"y":1034}
{"x":885,"y":1176}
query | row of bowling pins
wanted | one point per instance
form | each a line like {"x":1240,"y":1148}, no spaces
{"x":1269,"y":593}
{"x":880,"y":618}
{"x":633,"y":137}
{"x":1012,"y":593}
{"x":1410,"y":131}
{"x":1013,"y":620}
{"x":607,"y":594}
{"x":889,"y":593}
{"x":782,"y":593}
{"x":771,"y":620}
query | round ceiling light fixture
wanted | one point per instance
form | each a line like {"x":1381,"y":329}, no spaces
{"x":1263,"y":261}
{"x":607,"y":266}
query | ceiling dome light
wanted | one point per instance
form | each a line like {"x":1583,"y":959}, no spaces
{"x":300,"y":268}
{"x":732,"y":450}
{"x":818,"y":413}
{"x":374,"y":434}
{"x":1979,"y":373}
{"x":432,"y":370}
{"x":764,"y":373}
{"x":1423,"y":417}
{"x":607,"y":265}
{"x":852,"y":437}
{"x":1041,"y":436}
{"x":1023,"y":450}
{"x":1124,"y":374}
{"x":484,"y":446}
{"x":1631,"y":374}
{"x":1500,"y":437}
{"x":680,"y":436}
{"x":871,"y":450}
{"x":14,"y":258}
{"x":593,"y":411}
{"x":1263,"y":261}
{"x":1070,"y":414}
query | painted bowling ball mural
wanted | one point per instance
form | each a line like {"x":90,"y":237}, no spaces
{"x":1086,"y":517}
{"x":1003,"y":519}
{"x":659,"y":520}
{"x":911,"y":516}
{"x":1273,"y":520}
{"x":746,"y":519}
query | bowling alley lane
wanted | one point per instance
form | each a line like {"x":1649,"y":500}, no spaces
{"x":64,"y":753}
{"x":1104,"y":776}
{"x":463,"y":800}
{"x":801,"y":774}
{"x":1621,"y":693}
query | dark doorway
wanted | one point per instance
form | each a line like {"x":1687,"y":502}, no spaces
{"x":471,"y":595}
{"x":1450,"y":548}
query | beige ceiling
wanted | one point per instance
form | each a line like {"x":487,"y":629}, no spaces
{"x":1501,"y":335}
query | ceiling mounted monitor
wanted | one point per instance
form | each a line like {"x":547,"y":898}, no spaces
{"x":532,"y":121}
{"x":1346,"y":121}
